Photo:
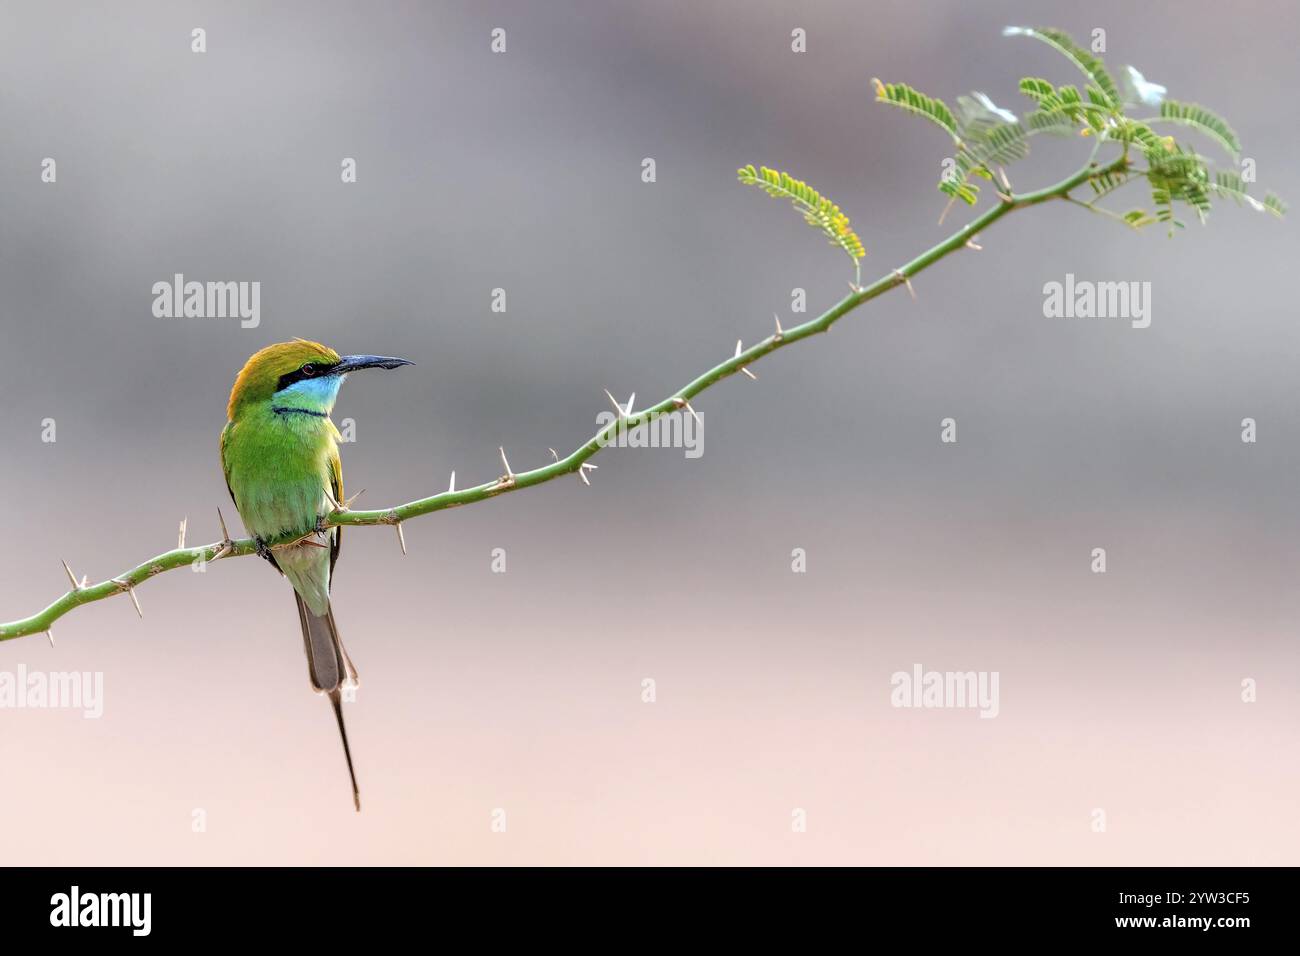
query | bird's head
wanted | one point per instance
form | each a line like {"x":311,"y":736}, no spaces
{"x":298,"y":374}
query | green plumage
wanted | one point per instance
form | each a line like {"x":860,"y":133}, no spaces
{"x":279,"y":451}
{"x":279,"y":466}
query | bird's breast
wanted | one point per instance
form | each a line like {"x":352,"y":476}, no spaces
{"x":278,"y":466}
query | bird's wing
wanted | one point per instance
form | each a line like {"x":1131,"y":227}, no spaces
{"x":336,"y":483}
{"x":225,"y":470}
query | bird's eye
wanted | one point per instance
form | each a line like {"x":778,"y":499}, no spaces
{"x":309,"y":369}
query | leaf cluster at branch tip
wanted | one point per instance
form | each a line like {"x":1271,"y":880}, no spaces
{"x":818,"y":211}
{"x":986,"y":137}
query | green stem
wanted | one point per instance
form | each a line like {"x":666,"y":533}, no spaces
{"x":1099,"y":210}
{"x":41,"y":622}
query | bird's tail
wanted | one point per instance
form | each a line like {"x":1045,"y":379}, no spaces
{"x":329,"y":668}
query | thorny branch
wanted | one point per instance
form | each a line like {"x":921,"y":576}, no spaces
{"x":83,"y":592}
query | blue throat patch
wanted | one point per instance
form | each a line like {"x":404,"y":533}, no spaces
{"x":309,"y":396}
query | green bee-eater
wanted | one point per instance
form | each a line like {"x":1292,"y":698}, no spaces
{"x":280,"y":454}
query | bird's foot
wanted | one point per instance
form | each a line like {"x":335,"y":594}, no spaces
{"x":262,"y":549}
{"x":322,"y":524}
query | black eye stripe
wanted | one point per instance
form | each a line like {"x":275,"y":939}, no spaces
{"x":297,"y":375}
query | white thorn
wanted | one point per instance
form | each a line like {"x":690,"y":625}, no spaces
{"x":73,"y":578}
{"x":554,"y":454}
{"x":854,"y":287}
{"x":622,"y":412}
{"x":742,"y":368}
{"x":902,"y":276}
{"x":971,"y":243}
{"x":451,"y":485}
{"x":49,"y":632}
{"x":180,"y":538}
{"x":683,"y":403}
{"x":509,"y":473}
{"x":779,"y":331}
{"x":225,"y":535}
{"x":401,"y":538}
{"x":583,"y":475}
{"x":136,"y":601}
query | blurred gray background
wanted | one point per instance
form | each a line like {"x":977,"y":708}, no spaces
{"x":522,"y":691}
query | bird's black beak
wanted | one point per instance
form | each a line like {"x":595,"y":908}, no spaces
{"x":352,"y":363}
